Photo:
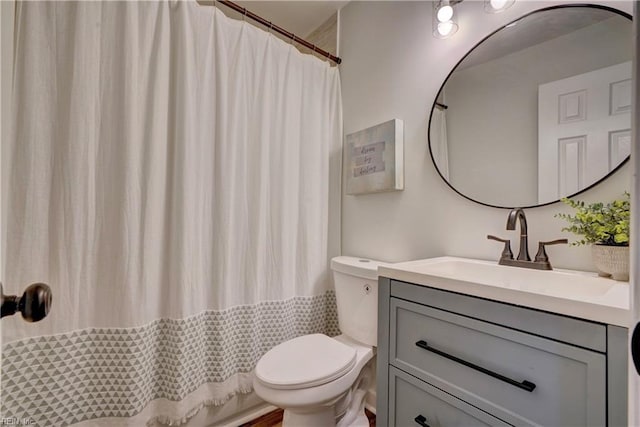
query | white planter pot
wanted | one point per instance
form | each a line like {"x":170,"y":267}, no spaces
{"x":611,"y":261}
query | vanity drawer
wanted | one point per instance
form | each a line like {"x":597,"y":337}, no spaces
{"x":578,"y":332}
{"x":520,"y":378}
{"x":415,"y":403}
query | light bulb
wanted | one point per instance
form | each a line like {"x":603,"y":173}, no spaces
{"x":445,"y":13}
{"x":443,"y":19}
{"x":498,"y":4}
{"x":445,"y":28}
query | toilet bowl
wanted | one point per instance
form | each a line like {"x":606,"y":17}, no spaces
{"x":320,"y":380}
{"x":310,"y":386}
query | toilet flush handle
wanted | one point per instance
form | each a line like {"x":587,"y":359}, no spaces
{"x":421,"y":420}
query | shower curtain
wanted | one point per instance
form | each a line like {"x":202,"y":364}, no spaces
{"x":439,"y":142}
{"x":169,"y":175}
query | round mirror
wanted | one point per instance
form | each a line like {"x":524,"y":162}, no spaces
{"x":538,"y":110}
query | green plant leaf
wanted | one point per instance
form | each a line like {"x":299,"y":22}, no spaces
{"x":599,"y":223}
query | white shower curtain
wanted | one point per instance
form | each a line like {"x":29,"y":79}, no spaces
{"x":169,"y":176}
{"x":439,"y":142}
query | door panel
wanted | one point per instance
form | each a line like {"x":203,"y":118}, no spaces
{"x":583,"y":129}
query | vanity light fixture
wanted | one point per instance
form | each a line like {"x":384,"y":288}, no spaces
{"x":497,"y":6}
{"x":444,"y":18}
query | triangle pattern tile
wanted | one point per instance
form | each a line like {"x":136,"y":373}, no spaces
{"x":63,"y":379}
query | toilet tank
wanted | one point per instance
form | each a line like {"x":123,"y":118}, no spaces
{"x":356,"y":284}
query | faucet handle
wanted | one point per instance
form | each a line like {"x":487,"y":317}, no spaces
{"x":542,"y":256}
{"x":506,"y":252}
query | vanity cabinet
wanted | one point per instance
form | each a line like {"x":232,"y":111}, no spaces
{"x":448,"y":359}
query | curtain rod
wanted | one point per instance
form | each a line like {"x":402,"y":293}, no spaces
{"x":273,"y":27}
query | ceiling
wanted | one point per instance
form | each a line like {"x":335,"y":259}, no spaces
{"x":538,"y":28}
{"x":300,"y":17}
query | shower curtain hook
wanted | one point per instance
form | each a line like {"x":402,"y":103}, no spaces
{"x":293,"y":39}
{"x":244,"y":16}
{"x":270,"y":26}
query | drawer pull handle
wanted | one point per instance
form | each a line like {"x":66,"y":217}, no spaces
{"x":421,"y":420}
{"x":525,"y":385}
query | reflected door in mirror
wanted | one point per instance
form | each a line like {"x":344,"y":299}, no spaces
{"x":584,"y":130}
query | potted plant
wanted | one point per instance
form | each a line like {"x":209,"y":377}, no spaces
{"x":606,"y":228}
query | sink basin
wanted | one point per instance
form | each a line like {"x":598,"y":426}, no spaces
{"x":573,"y":293}
{"x":551,"y":282}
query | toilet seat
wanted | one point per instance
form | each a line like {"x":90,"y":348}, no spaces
{"x":306,"y":361}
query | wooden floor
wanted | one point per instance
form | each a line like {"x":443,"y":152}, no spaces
{"x":274,"y":419}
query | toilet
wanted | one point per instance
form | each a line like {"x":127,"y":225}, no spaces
{"x":319,"y":380}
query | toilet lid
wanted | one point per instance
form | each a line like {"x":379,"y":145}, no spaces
{"x":306,"y":361}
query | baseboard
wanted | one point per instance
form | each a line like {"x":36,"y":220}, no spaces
{"x":370,"y":401}
{"x":247,"y":416}
{"x":257,"y":412}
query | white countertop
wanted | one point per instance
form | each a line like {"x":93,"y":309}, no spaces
{"x":573,"y":293}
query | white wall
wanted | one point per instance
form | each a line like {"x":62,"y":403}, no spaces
{"x":634,"y":381}
{"x":393,"y":68}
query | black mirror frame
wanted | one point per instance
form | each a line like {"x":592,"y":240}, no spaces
{"x":562,"y":6}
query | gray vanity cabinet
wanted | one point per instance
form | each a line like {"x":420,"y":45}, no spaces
{"x":446,"y":359}
{"x":412,"y":397}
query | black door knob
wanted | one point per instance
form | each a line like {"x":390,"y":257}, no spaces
{"x":34,"y":304}
{"x":635,"y":347}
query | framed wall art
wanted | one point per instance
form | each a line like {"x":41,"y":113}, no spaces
{"x":373,"y":159}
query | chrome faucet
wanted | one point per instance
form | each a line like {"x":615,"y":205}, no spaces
{"x":515,"y":215}
{"x":541,"y":261}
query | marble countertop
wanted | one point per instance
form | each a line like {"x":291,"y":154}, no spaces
{"x":572,"y":293}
